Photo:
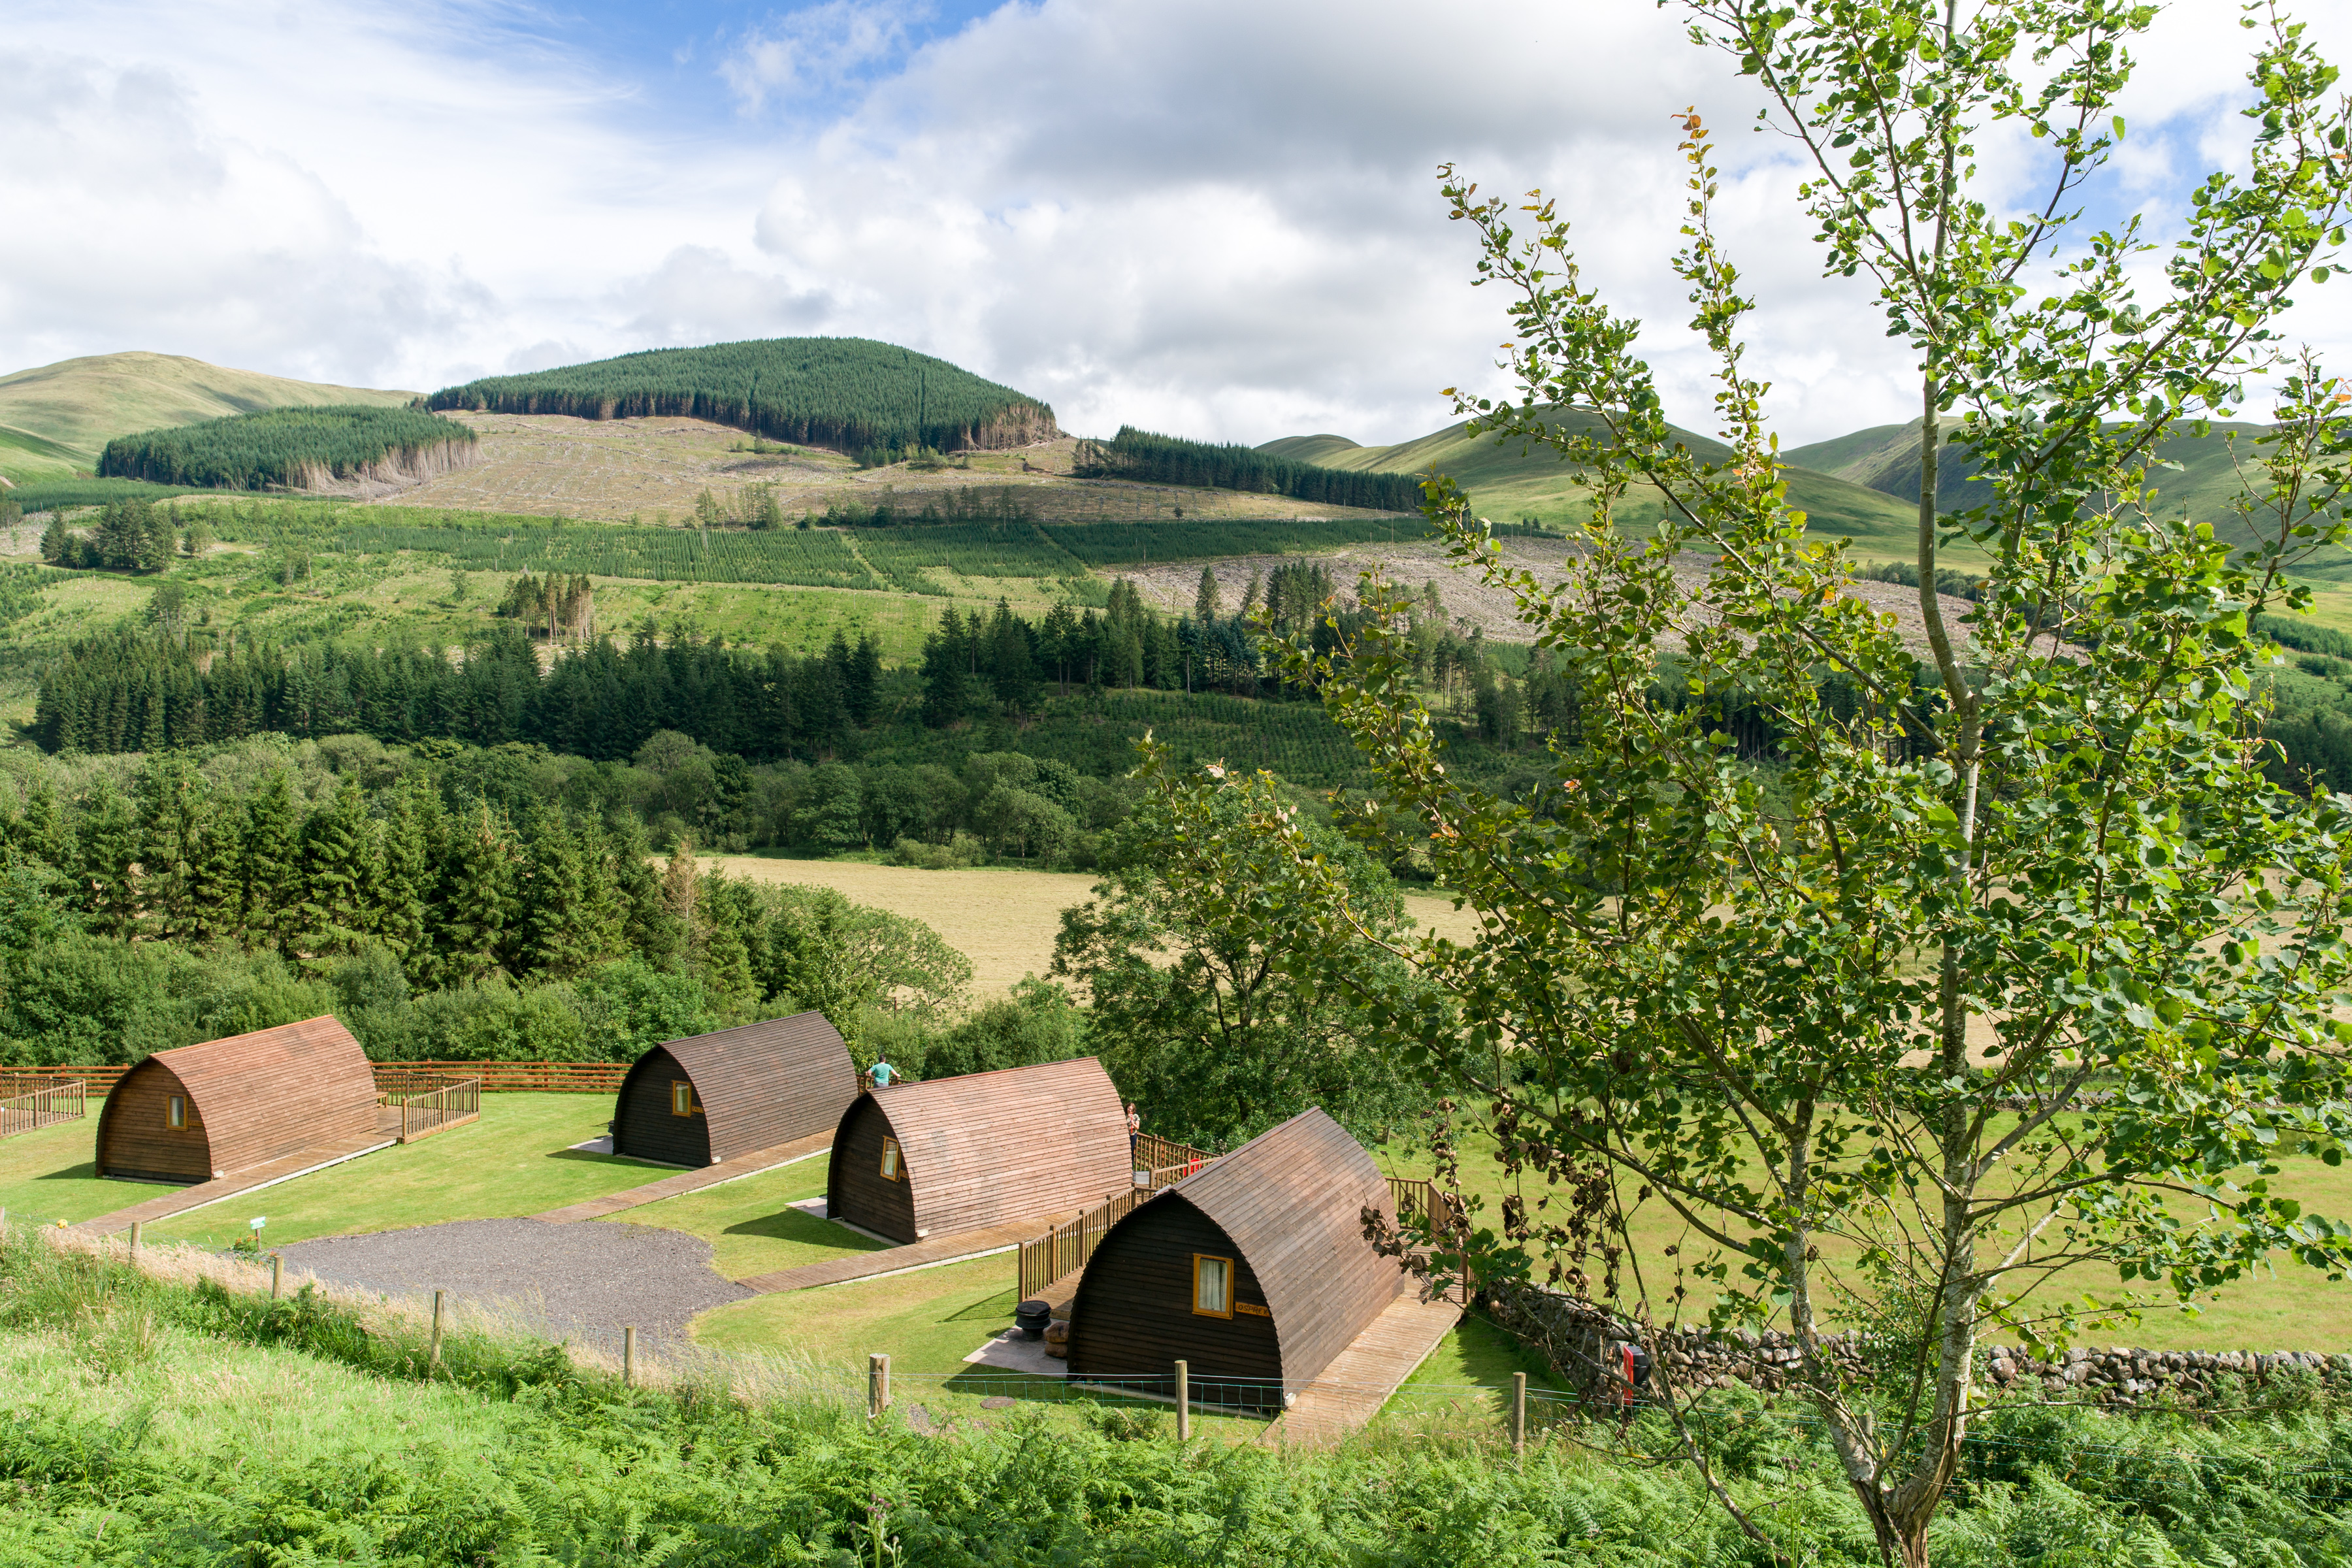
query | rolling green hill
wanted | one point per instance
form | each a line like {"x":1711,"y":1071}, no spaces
{"x":850,"y":394}
{"x":1885,"y":457}
{"x":1507,"y":482}
{"x":54,"y":419}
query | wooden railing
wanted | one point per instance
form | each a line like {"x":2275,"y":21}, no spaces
{"x":1154,"y":1153}
{"x":97,"y":1082}
{"x":501,"y":1077}
{"x":1064,"y":1250}
{"x":429,"y":1108}
{"x":44,"y":1106}
{"x":542,"y":1077}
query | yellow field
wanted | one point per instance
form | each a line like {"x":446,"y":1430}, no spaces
{"x":1004,"y":921}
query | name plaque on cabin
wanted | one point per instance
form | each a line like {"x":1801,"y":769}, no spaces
{"x":1252,"y":1309}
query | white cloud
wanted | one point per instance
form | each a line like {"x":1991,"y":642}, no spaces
{"x":816,"y":51}
{"x":1197,"y":216}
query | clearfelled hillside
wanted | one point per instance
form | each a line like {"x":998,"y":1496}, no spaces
{"x":56,"y":419}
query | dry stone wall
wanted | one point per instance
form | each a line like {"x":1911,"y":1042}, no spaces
{"x":1580,"y":1341}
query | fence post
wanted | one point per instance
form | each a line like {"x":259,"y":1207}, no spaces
{"x":878,"y":1384}
{"x":1519,"y":1413}
{"x":1183,"y":1402}
{"x":434,"y":1359}
{"x":629,"y":1356}
{"x":137,"y":1227}
{"x":277,"y":1274}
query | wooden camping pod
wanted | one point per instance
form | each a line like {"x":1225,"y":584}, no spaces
{"x":984,"y":1149}
{"x":241,"y":1103}
{"x":1285,"y":1213}
{"x":708,"y":1098}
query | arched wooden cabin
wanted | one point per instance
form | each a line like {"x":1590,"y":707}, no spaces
{"x":1254,"y":1269}
{"x":212,"y":1110}
{"x":709,"y":1097}
{"x":950,"y":1155}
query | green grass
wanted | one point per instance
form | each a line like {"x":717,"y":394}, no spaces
{"x":515,"y":1161}
{"x":750,"y":1224}
{"x":76,"y":406}
{"x":51,"y":1175}
{"x":2292,"y":1308}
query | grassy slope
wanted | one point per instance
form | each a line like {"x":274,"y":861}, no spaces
{"x":74,"y":407}
{"x":1506,"y":481}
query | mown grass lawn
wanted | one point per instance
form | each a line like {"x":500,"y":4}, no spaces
{"x":516,"y":1159}
{"x":51,"y":1175}
{"x":751,"y":1224}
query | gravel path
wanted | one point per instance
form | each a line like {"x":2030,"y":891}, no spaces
{"x":584,"y":1281}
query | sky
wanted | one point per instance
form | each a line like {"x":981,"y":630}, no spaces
{"x":1206,"y":217}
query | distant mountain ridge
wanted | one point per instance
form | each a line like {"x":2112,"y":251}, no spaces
{"x":54,"y":419}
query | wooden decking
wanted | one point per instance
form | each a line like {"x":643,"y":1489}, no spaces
{"x":741,"y":1165}
{"x":927,"y":1254}
{"x":180,"y":1200}
{"x":1361,"y":1378}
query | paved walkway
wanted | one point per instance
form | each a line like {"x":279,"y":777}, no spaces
{"x":180,"y":1200}
{"x":939,"y":1249}
{"x":741,"y":1165}
{"x":1361,"y":1379}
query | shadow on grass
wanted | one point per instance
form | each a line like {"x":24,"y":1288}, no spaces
{"x":800,"y":1226}
{"x":595,"y":1158}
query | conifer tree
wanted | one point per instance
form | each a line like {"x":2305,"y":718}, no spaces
{"x":474,"y":885}
{"x":1204,"y":600}
{"x":338,"y":863}
{"x":107,"y":847}
{"x":551,"y":940}
{"x":173,"y":816}
{"x":404,"y":874}
{"x":41,"y":831}
{"x":272,"y":863}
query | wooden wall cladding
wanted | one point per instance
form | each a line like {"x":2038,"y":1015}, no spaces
{"x":1291,"y":1200}
{"x":1132,"y":1315}
{"x":992,"y":1147}
{"x":135,"y":1139}
{"x":642,"y":1125}
{"x":854,"y":1188}
{"x":265,"y":1095}
{"x":761,"y":1085}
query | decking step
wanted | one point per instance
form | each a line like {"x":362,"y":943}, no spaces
{"x":1362,"y":1377}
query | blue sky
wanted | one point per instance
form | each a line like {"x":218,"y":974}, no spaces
{"x":1217,"y":217}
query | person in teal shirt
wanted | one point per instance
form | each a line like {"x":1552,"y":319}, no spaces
{"x":882,"y":1072}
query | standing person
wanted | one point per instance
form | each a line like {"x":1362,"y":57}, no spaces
{"x":880,"y":1074}
{"x":1134,"y":1129}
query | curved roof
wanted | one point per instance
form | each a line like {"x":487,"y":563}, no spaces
{"x":1016,"y":1143}
{"x":267,"y":1093}
{"x":1291,"y":1199}
{"x":765,"y":1083}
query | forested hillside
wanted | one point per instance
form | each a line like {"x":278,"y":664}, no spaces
{"x":850,"y":394}
{"x":291,"y":449}
{"x":1143,"y":457}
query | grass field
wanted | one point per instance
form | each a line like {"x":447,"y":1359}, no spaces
{"x":2293,"y":1308}
{"x":750,"y":1224}
{"x":1004,"y":919}
{"x":72,"y":409}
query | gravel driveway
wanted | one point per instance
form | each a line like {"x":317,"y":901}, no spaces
{"x":584,"y":1281}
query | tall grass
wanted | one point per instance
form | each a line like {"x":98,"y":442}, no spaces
{"x":171,"y":1416}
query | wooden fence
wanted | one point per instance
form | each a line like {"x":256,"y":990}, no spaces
{"x":1414,"y":1198}
{"x":426,"y":1108}
{"x":44,"y":1106}
{"x":576,"y":1077}
{"x":1160,"y":1163}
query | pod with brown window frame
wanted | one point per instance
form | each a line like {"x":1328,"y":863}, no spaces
{"x":931,"y":1159}
{"x":708,"y":1098}
{"x":1254,"y":1272}
{"x":198,"y":1112}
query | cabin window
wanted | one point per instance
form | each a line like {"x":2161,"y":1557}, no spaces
{"x":175,"y":1113}
{"x":681,"y":1098}
{"x":1213,"y":1286}
{"x":891,"y":1170}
